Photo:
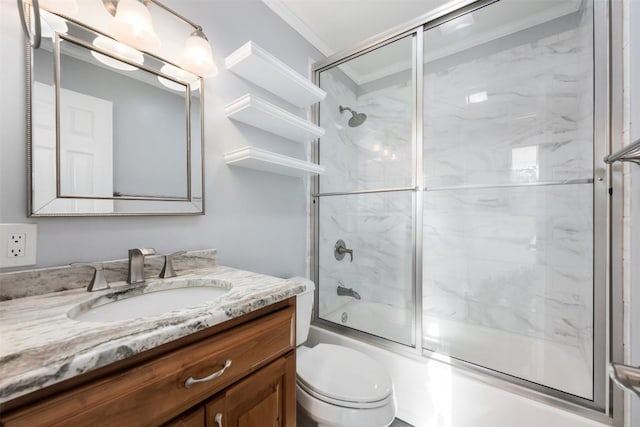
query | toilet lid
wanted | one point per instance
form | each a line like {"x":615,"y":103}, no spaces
{"x":343,"y":374}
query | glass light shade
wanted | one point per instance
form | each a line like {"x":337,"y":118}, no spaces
{"x":63,"y":7}
{"x":197,"y":56}
{"x":178,"y":74}
{"x":132,"y":25}
{"x":119,"y":50}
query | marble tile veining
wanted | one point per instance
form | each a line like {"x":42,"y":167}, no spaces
{"x":40,"y":345}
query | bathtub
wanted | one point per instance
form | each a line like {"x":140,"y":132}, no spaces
{"x":431,"y":393}
{"x":383,"y":320}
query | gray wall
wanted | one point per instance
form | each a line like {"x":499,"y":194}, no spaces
{"x":256,"y":220}
{"x":149,"y":133}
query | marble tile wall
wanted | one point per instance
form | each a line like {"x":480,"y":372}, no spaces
{"x":375,"y":155}
{"x":377,"y":226}
{"x":518,"y":259}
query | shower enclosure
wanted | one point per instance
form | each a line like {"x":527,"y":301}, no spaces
{"x":462,"y":214}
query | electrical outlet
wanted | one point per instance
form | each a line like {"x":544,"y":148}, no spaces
{"x":18,"y":244}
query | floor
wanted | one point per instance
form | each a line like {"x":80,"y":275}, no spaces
{"x":399,"y":423}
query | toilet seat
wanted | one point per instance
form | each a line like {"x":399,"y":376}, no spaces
{"x":343,"y":377}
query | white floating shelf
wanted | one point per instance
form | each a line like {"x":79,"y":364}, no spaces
{"x":265,"y":70}
{"x":266,"y":161}
{"x":259,"y":113}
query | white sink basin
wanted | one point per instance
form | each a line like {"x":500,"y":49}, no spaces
{"x":144,"y":302}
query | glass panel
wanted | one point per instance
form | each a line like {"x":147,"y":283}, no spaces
{"x":378,"y":293}
{"x":508,"y":95}
{"x":508,"y":271}
{"x":122,"y":129}
{"x":367,"y":116}
{"x":507,"y":281}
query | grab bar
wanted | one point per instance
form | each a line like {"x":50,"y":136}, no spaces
{"x":630,"y":153}
{"x":626,"y":377}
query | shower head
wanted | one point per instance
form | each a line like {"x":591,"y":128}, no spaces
{"x":356,"y":118}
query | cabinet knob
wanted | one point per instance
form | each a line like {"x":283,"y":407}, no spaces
{"x":191,"y":381}
{"x":218,"y":419}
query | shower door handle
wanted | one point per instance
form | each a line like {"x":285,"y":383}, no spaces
{"x":340,"y":250}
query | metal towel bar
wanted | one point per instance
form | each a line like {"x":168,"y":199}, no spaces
{"x":626,"y":377}
{"x":630,"y":153}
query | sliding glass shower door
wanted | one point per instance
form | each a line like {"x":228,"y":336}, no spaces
{"x":508,"y":200}
{"x":366,"y":201}
{"x":462,"y":214}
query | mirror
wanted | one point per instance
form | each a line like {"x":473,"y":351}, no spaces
{"x":112,"y":130}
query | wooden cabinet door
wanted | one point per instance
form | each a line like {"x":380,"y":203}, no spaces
{"x":264,"y":399}
{"x":215,"y":412}
{"x":193,"y":418}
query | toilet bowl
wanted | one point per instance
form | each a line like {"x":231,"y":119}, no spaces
{"x":337,"y":386}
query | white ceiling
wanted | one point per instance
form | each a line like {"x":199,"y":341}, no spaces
{"x":334,"y":25}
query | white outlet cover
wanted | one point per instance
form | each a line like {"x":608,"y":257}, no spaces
{"x":31,"y":233}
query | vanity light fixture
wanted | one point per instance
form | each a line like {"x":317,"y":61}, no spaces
{"x":62,"y":7}
{"x":136,"y":29}
{"x":198,"y":56}
{"x":132,"y":25}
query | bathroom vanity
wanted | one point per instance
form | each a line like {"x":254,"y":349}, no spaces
{"x":229,"y":362}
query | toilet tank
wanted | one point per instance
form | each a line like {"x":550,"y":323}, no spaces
{"x":304,"y":308}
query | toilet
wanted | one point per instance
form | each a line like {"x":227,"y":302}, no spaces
{"x":335,"y":385}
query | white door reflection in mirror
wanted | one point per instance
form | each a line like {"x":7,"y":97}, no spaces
{"x":86,"y":150}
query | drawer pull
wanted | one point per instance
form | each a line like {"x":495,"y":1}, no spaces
{"x":191,"y":381}
{"x":218,"y":419}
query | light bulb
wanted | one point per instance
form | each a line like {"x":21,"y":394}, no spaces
{"x":197,"y":56}
{"x":132,"y":25}
{"x":63,"y":7}
{"x":119,"y":50}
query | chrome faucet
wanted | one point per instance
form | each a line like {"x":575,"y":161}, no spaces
{"x":347,"y":292}
{"x":136,"y":264}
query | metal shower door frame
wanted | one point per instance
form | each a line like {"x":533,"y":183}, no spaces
{"x":607,"y":298}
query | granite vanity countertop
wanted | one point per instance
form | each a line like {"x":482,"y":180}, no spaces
{"x":40,"y":345}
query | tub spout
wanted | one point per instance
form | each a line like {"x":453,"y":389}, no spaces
{"x":348,"y":292}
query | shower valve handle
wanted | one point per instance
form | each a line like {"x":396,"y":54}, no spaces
{"x":340,"y":250}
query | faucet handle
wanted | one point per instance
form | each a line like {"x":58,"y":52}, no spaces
{"x":98,"y":281}
{"x":340,"y":249}
{"x":167,"y":268}
{"x":142,"y":251}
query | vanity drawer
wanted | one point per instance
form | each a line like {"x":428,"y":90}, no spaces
{"x":154,"y":392}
